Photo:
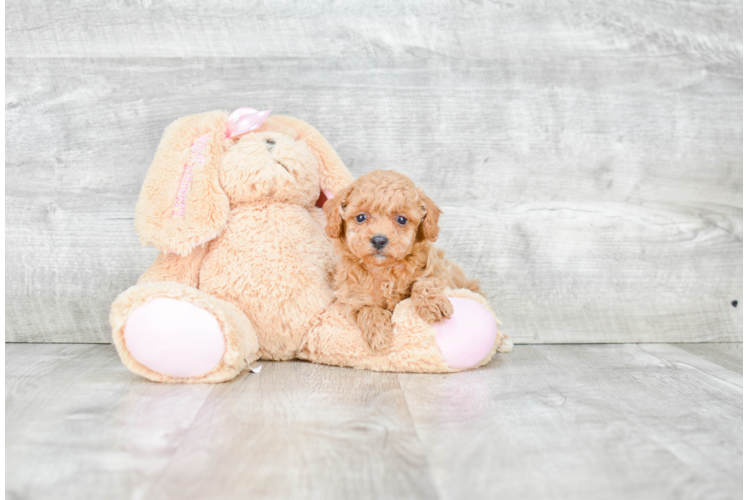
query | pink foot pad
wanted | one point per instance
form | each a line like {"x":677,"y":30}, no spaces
{"x":174,"y":337}
{"x":468,"y":335}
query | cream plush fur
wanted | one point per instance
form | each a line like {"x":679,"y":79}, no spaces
{"x":251,"y":250}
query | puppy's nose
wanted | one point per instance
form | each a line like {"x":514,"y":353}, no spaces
{"x":379,"y":241}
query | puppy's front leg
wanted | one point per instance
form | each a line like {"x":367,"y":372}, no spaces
{"x":376,"y":325}
{"x":430,"y":301}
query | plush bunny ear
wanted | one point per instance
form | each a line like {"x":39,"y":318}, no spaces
{"x":181,"y":203}
{"x":333,"y":174}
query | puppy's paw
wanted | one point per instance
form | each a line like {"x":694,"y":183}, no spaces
{"x":376,"y":327}
{"x":435,"y":309}
{"x":378,"y":340}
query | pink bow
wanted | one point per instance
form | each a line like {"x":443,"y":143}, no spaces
{"x":244,"y":120}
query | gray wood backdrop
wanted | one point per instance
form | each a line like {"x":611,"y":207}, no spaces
{"x":587,"y":155}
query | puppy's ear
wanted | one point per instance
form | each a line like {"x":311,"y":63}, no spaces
{"x":334,"y":208}
{"x":429,"y":228}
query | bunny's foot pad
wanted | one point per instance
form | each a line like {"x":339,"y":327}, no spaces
{"x":468,"y":336}
{"x":174,"y":337}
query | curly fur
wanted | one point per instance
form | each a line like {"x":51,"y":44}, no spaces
{"x":370,"y":282}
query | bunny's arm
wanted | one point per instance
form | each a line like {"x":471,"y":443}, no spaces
{"x":318,"y":216}
{"x":172,"y":267}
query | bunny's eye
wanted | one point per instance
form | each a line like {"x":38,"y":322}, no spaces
{"x":360,"y":218}
{"x":401,"y":220}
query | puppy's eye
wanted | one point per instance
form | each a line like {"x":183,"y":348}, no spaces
{"x":360,"y":218}
{"x":401,"y":220}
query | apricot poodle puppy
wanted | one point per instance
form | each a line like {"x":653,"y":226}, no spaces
{"x":383,"y":228}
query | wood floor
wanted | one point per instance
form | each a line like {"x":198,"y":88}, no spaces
{"x":628,"y":421}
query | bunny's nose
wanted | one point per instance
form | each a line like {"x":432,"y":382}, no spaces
{"x":379,"y":241}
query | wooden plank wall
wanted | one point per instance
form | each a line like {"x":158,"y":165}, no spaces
{"x":587,"y":155}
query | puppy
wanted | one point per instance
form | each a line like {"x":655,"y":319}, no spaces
{"x":383,"y":227}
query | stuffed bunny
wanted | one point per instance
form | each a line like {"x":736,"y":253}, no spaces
{"x":246,"y":269}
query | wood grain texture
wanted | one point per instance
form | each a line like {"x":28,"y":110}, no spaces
{"x":89,"y":427}
{"x":586,"y":421}
{"x":745,"y":447}
{"x":727,"y":354}
{"x":588,"y":158}
{"x":26,"y":364}
{"x":565,"y":422}
{"x":299,"y":430}
{"x":419,"y":29}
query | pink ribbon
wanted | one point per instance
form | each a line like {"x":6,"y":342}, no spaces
{"x":244,"y":120}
